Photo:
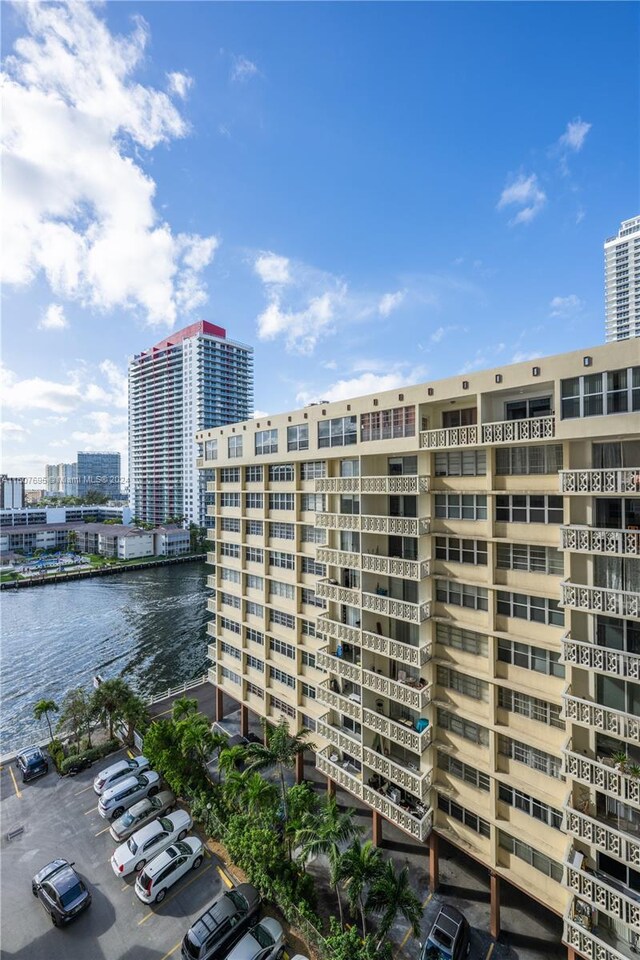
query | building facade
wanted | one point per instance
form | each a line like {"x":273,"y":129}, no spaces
{"x":442,"y":582}
{"x":62,"y":479}
{"x":192,"y":380}
{"x":622,"y":282}
{"x":29,"y":516}
{"x":11,"y":492}
{"x":98,"y":473}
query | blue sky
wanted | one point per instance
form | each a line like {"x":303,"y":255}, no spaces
{"x":370,"y":194}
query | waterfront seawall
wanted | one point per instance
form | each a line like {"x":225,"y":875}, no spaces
{"x":68,"y":575}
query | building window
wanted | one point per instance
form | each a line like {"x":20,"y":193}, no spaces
{"x":521,"y":508}
{"x":465,"y":506}
{"x":339,"y":432}
{"x":308,"y":690}
{"x":308,"y":659}
{"x":521,"y":703}
{"x":281,"y":473}
{"x":298,"y":437}
{"x":230,"y":524}
{"x":534,"y":808}
{"x":461,"y":463}
{"x":235,"y":446}
{"x":211,"y":449}
{"x":230,"y":475}
{"x":310,"y":534}
{"x":465,"y":640}
{"x":307,"y":628}
{"x":234,"y":576}
{"x":523,"y":461}
{"x":254,"y":582}
{"x":313,"y":567}
{"x":255,"y":528}
{"x":456,"y":768}
{"x":229,"y":600}
{"x":314,"y":502}
{"x":255,"y":690}
{"x":286,"y":561}
{"x":597,"y":394}
{"x":309,"y":596}
{"x":253,"y":501}
{"x":227,"y":624}
{"x":386,"y":424}
{"x":308,"y":723}
{"x":231,"y":651}
{"x":255,"y":663}
{"x":266,"y":442}
{"x":456,"y":550}
{"x":278,"y":589}
{"x":462,"y":594}
{"x":254,"y":609}
{"x":282,"y":531}
{"x":282,"y":619}
{"x":284,"y":649}
{"x":313,"y":470}
{"x":282,"y":501}
{"x":253,"y":555}
{"x":230,"y":675}
{"x":463,"y":728}
{"x":531,"y":757}
{"x":524,"y":607}
{"x":531,"y":658}
{"x":229,"y":499}
{"x":461,"y":683}
{"x":276,"y":674}
{"x":524,"y":556}
{"x":471,"y":820}
{"x":230,"y":550}
{"x":277,"y":704}
{"x":524,"y":852}
{"x":253,"y":474}
{"x":256,"y":636}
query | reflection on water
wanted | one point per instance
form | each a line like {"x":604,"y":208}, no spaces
{"x":148,"y":627}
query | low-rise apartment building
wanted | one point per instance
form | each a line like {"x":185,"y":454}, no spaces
{"x":442,"y":582}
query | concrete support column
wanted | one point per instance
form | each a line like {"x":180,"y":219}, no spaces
{"x":219,"y":704}
{"x":244,"y":720}
{"x":571,"y":954}
{"x":299,"y":767}
{"x":331,"y":788}
{"x":434,"y":862}
{"x":494,"y":919}
{"x":376,"y":829}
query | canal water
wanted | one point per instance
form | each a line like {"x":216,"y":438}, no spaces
{"x":148,"y":627}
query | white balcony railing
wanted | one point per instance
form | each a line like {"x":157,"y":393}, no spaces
{"x":593,"y":657}
{"x":395,"y":650}
{"x":417,"y":698}
{"x":619,"y":844}
{"x":338,"y":558}
{"x":508,"y":431}
{"x":337,"y":631}
{"x":603,"y":776}
{"x":620,"y":603}
{"x":339,"y":666}
{"x":212,"y":675}
{"x":336,"y":772}
{"x":211,"y":581}
{"x":395,"y":526}
{"x":415,"y":782}
{"x":400,"y":609}
{"x":395,"y":567}
{"x":334,"y":592}
{"x":417,"y":826}
{"x":449,"y":437}
{"x":337,"y":485}
{"x":623,"y":481}
{"x":599,"y":540}
{"x":384,"y":485}
{"x":626,"y":726}
{"x":212,"y":651}
{"x":401,"y":733}
{"x":602,"y":896}
{"x":340,"y":738}
{"x":588,"y":944}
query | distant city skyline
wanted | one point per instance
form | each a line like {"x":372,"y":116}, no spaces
{"x":369,"y":194}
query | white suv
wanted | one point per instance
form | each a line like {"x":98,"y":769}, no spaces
{"x":116,"y":800}
{"x":112,"y":775}
{"x":149,"y":841}
{"x":167,"y":868}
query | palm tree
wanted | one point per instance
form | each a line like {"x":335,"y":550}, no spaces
{"x":280,"y":749}
{"x":42,"y":709}
{"x":324,"y":833}
{"x":77,"y":710}
{"x":109,"y":700}
{"x":391,"y":894}
{"x":183,"y":707}
{"x":231,"y":758}
{"x":358,"y":867}
{"x":196,"y":738}
{"x":135,"y":715}
{"x":234,"y":787}
{"x":259,"y":795}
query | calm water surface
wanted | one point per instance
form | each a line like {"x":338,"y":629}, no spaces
{"x":148,"y":627}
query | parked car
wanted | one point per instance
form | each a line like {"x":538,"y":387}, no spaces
{"x":264,"y":942}
{"x":449,"y":936}
{"x":221,"y":926}
{"x":166,"y":869}
{"x":141,"y":813}
{"x":32,"y":763}
{"x":132,"y":855}
{"x":116,"y":800}
{"x":61,"y":891}
{"x":78,"y":765}
{"x":110,"y":776}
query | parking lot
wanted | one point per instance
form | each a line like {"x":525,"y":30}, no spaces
{"x":58,"y":817}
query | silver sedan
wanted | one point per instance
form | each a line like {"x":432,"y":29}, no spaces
{"x":141,"y":813}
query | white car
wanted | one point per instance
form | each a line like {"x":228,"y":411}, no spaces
{"x":112,"y":775}
{"x":116,"y":800}
{"x":264,"y":942}
{"x":166,"y":869}
{"x":141,"y":813}
{"x":147,"y":843}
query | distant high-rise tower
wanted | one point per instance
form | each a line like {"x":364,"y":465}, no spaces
{"x":622,"y":282}
{"x":194,"y":379}
{"x":99,"y":472}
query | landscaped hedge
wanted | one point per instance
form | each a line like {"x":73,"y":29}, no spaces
{"x":95,"y":753}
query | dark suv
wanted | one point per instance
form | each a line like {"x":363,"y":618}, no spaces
{"x":32,"y":763}
{"x":228,"y":918}
{"x":449,"y":936}
{"x":60,"y":891}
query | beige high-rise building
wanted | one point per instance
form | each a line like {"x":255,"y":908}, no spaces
{"x":442,"y":582}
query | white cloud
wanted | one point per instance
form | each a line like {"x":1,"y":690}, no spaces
{"x":272,"y":269}
{"x":390,"y":302}
{"x":179,"y":84}
{"x":53,"y":318}
{"x":368,"y":382}
{"x":575,"y":135}
{"x":78,"y":207}
{"x":259,"y":413}
{"x":12,"y":430}
{"x":37,"y":393}
{"x":330,"y":365}
{"x":521,"y":356}
{"x":526,"y":193}
{"x":301,"y":328}
{"x":242,"y":69}
{"x":565,"y":306}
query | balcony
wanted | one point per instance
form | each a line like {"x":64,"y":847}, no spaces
{"x":212,"y":652}
{"x":346,"y":706}
{"x":337,"y":773}
{"x":593,"y":657}
{"x":211,"y":582}
{"x":414,"y":697}
{"x":619,"y":603}
{"x":398,"y":730}
{"x":331,"y":590}
{"x":338,"y":485}
{"x":337,"y":631}
{"x":402,"y":652}
{"x":211,"y":557}
{"x":200,"y":463}
{"x":415,"y":782}
{"x":396,"y":526}
{"x":624,"y":543}
{"x":394,"y":566}
{"x":212,"y":675}
{"x":338,"y":558}
{"x":604,"y":836}
{"x":510,"y":431}
{"x":340,"y":738}
{"x":449,"y":437}
{"x":416,"y":825}
{"x":602,"y":774}
{"x":596,"y":889}
{"x":400,"y":609}
{"x":339,"y":666}
{"x":589,"y":943}
{"x":623,"y":481}
{"x":384,"y":484}
{"x":622,"y":725}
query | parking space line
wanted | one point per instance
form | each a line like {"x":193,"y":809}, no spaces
{"x":490,"y":951}
{"x":100,"y":832}
{"x":173,"y":950}
{"x":408,"y":933}
{"x":226,"y":878}
{"x":15,"y":784}
{"x":175,"y":894}
{"x":91,"y":810}
{"x":84,"y":789}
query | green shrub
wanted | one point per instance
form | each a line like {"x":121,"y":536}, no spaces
{"x":56,"y":752}
{"x":96,"y":753}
